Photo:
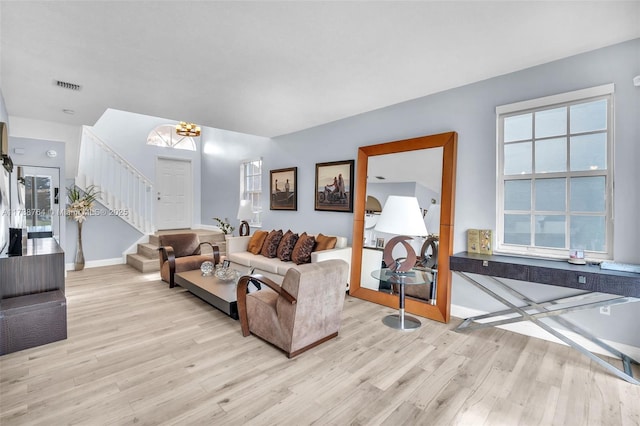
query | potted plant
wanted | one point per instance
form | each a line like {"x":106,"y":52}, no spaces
{"x":224,"y":225}
{"x":79,"y":208}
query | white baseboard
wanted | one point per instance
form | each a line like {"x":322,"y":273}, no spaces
{"x":530,"y":329}
{"x":97,"y":263}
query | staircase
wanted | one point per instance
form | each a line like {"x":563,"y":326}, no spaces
{"x":123,"y":189}
{"x":146,"y":257}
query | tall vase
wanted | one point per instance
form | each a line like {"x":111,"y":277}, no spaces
{"x":78,"y":263}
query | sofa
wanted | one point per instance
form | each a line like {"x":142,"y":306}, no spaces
{"x":247,"y":262}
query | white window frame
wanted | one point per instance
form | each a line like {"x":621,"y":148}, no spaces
{"x":167,"y":133}
{"x":540,"y":104}
{"x":257,"y":209}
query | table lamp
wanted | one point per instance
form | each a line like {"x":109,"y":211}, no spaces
{"x":401,"y":216}
{"x":245,"y":213}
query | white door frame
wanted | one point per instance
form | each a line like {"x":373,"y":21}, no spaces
{"x":187,"y":190}
{"x":54,"y":174}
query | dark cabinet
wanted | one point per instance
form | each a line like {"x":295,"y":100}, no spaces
{"x":33,"y":308}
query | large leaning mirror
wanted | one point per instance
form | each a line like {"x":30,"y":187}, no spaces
{"x":423,"y":167}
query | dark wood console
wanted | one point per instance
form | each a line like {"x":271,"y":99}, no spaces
{"x":551,"y":272}
{"x":32,"y":301}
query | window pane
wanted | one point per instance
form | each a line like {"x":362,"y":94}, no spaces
{"x":550,"y":231}
{"x":588,"y":233}
{"x":517,"y":158}
{"x":517,"y":229}
{"x":551,"y":195}
{"x":589,"y":116}
{"x":165,"y":136}
{"x":551,"y":155}
{"x":185,"y":143}
{"x":588,"y":194}
{"x":552,"y":122}
{"x":517,"y":195}
{"x":518,"y":127}
{"x":588,"y":152}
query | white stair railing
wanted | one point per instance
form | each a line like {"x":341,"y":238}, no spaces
{"x":124,"y":190}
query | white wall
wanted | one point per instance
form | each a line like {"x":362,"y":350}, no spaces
{"x":222,"y":153}
{"x":4,"y":115}
{"x":22,"y":127}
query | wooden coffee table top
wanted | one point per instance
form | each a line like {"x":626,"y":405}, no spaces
{"x":225,"y":290}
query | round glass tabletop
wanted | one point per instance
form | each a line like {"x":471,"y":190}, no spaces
{"x":414,"y":276}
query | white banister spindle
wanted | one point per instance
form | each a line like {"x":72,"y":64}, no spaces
{"x":124,"y":190}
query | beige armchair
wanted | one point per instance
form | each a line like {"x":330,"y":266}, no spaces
{"x":301,"y":313}
{"x":181,"y":252}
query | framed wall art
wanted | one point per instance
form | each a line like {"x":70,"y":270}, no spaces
{"x":283,"y":187}
{"x":334,"y":186}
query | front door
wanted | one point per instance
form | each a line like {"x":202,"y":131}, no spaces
{"x":173,"y":191}
{"x":42,"y":202}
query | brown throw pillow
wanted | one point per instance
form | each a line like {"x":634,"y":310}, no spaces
{"x":325,"y":243}
{"x":270,"y":246}
{"x":256,"y":241}
{"x":285,"y":248}
{"x":303,"y":248}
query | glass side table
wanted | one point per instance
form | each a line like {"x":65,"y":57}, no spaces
{"x":400,"y":321}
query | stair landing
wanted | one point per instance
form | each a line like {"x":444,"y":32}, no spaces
{"x":146,"y":257}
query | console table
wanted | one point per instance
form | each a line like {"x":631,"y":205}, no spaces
{"x":624,"y":287}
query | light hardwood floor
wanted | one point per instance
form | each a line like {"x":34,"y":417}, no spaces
{"x":141,"y":353}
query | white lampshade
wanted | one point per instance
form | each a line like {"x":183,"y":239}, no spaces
{"x":402,"y":216}
{"x":244,"y":210}
{"x":432,"y":219}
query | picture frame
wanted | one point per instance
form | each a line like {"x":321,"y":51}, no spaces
{"x":283,"y":187}
{"x":334,"y":186}
{"x":380,"y":243}
{"x":226,"y":264}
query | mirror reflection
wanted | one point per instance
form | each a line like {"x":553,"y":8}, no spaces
{"x":432,"y":161}
{"x":417,"y":174}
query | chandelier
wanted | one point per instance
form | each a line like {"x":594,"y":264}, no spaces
{"x":187,"y":129}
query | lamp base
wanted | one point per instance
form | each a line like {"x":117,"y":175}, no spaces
{"x":401,"y":322}
{"x":244,"y":229}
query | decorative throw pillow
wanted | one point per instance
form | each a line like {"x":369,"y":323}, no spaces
{"x":256,"y":241}
{"x":285,"y":248}
{"x":270,"y":245}
{"x":325,"y":243}
{"x":303,"y":248}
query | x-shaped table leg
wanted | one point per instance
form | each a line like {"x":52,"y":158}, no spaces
{"x":470,"y":323}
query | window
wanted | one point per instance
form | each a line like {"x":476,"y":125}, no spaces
{"x":251,"y":186}
{"x":555,"y":180}
{"x":165,"y":135}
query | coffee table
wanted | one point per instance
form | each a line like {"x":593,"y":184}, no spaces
{"x":219,"y":294}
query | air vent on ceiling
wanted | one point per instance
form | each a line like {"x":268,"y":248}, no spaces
{"x":67,"y":85}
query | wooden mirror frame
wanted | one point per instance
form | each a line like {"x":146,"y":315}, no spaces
{"x":441,"y":310}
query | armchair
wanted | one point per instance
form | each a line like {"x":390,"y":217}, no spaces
{"x":301,"y":313}
{"x":181,"y":252}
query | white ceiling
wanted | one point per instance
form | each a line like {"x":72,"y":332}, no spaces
{"x":271,"y":68}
